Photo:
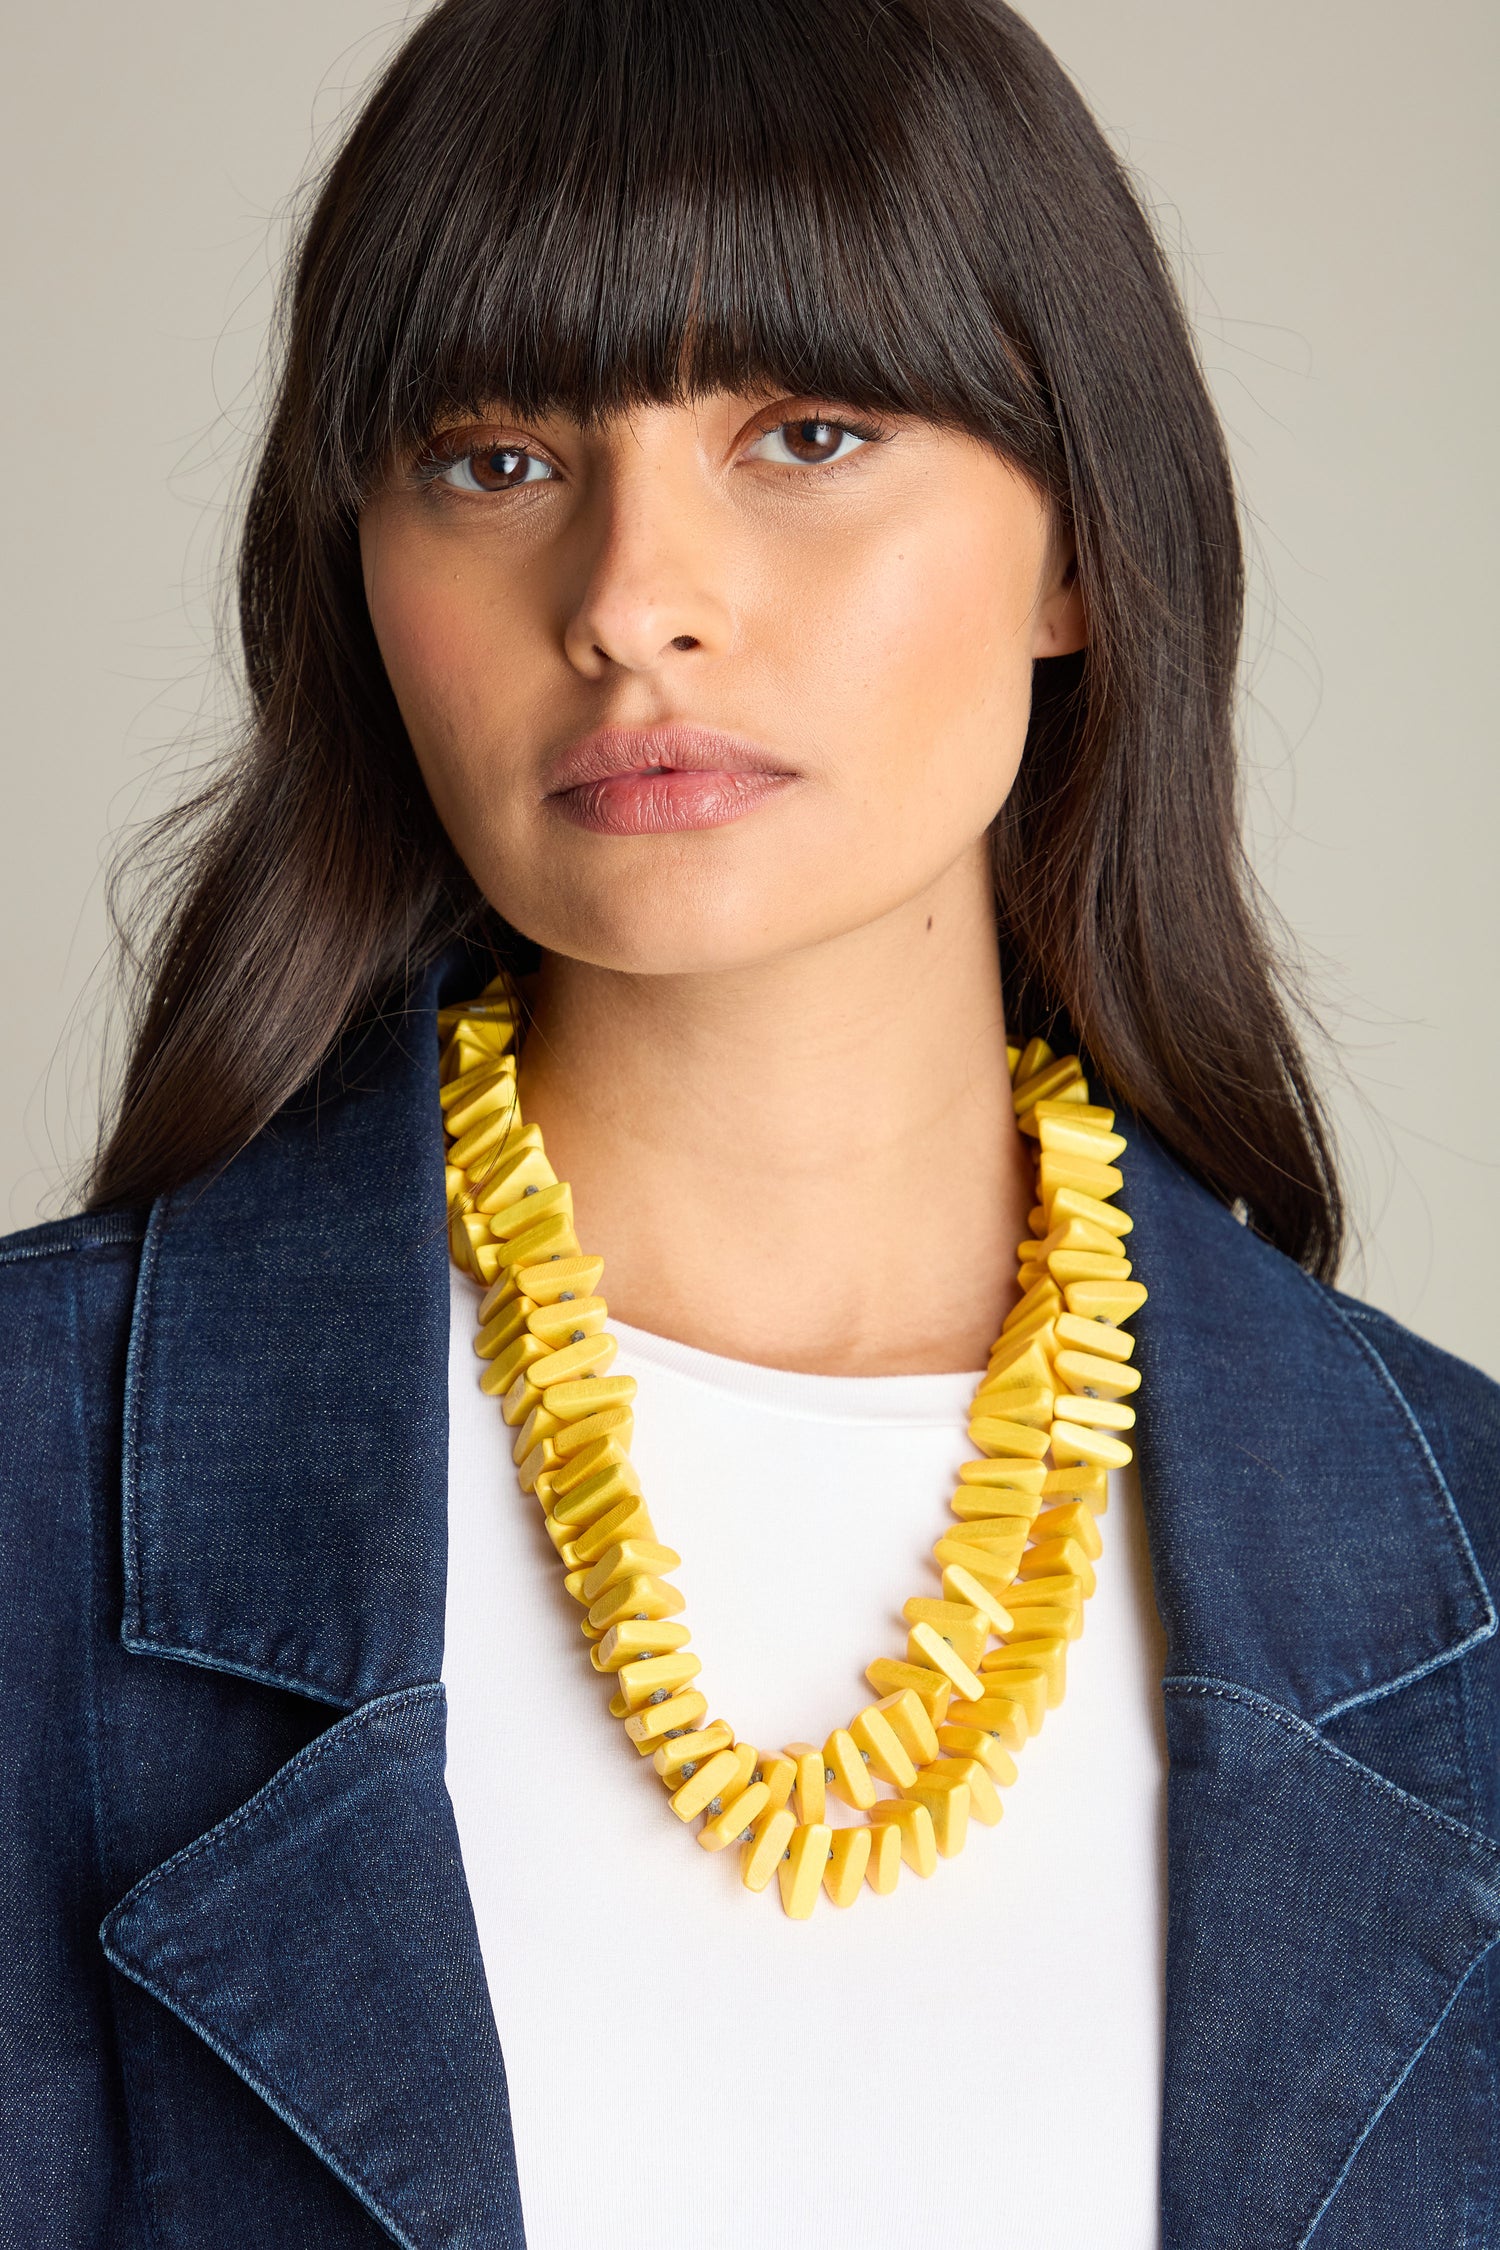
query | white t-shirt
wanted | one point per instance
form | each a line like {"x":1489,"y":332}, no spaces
{"x":974,"y":2060}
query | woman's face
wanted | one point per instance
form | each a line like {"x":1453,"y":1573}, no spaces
{"x":714,"y":682}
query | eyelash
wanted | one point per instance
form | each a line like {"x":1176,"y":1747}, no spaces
{"x":433,"y":465}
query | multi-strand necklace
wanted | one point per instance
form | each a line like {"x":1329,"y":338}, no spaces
{"x":985,"y":1654}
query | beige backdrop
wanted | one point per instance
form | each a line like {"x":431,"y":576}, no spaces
{"x":1324,"y":173}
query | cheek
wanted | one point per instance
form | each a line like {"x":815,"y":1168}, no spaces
{"x":924,"y":672}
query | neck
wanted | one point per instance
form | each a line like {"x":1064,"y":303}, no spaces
{"x":810,"y":1164}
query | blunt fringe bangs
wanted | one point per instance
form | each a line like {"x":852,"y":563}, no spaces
{"x":588,"y":205}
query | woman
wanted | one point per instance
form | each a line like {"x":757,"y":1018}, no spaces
{"x":740,"y":598}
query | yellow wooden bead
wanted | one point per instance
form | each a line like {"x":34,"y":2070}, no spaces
{"x":1048,"y":1656}
{"x":1054,"y":1589}
{"x":910,"y":1720}
{"x":1033,"y":1058}
{"x":1071,"y":1442}
{"x":484,"y":1136}
{"x":522,"y":1352}
{"x":581,"y":1463}
{"x":800,"y":1873}
{"x":1110,"y":1298}
{"x":567,"y":1320}
{"x":1073,"y":1519}
{"x":992,"y":1434}
{"x":535,"y":1207}
{"x":1051,"y":1556}
{"x":616,"y":1423}
{"x":984,"y":1797}
{"x":1003,"y":1476}
{"x":925,"y":1645}
{"x":809,"y":1786}
{"x":991,"y":1564}
{"x":889,"y":1757}
{"x":631,"y":1558}
{"x":1098,"y":1337}
{"x":767,"y":1847}
{"x":645,"y":1678}
{"x":845,"y":1772}
{"x":1036,"y":1328}
{"x":635,"y":1637}
{"x":965,"y":1628}
{"x":1071,"y":1266}
{"x":673,"y":1758}
{"x":457,"y":1089}
{"x":1021,"y":1363}
{"x":779,"y":1773}
{"x":590,"y":1356}
{"x":702,"y":1784}
{"x":546,"y":1283}
{"x":553,"y":1238}
{"x":574,"y":1402}
{"x":1030,"y":1404}
{"x":848,"y":1858}
{"x":978,"y":1742}
{"x":455,"y":1180}
{"x":682,"y":1710}
{"x":961,"y":1586}
{"x":1071,"y":1203}
{"x":644,"y":1595}
{"x":1070,"y":1136}
{"x":1045,"y":1084}
{"x":946,"y":1794}
{"x":593,"y":1496}
{"x":884,"y":1867}
{"x":1047,"y":1620}
{"x":984,"y":1503}
{"x":1011,"y":1709}
{"x":1059,"y":1169}
{"x":497,"y":1334}
{"x":538,"y":1425}
{"x":537,"y":1463}
{"x":912,"y":1821}
{"x":1079,"y":1483}
{"x":1042,"y":1300}
{"x":517,"y":1167}
{"x":1095,"y":1413}
{"x":1085,"y":1372}
{"x":486,"y":1105}
{"x":735,"y":1820}
{"x":627,"y":1522}
{"x":888,"y":1676}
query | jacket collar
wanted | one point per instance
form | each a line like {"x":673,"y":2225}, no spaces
{"x":285,"y":1518}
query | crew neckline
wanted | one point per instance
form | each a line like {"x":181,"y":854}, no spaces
{"x":910,"y":1399}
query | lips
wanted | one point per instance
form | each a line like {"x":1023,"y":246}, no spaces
{"x":646,"y":780}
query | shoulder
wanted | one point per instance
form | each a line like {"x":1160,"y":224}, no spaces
{"x":1456,"y":1407}
{"x":66,"y":1294}
{"x":73,"y":1267}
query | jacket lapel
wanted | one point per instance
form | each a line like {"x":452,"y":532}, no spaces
{"x":320,"y":1940}
{"x":1321,"y":1920}
{"x":285,"y":1519}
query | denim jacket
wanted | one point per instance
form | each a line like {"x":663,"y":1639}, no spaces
{"x":241,"y":1995}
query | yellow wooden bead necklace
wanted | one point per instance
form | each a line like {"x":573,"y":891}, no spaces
{"x":984,"y":1658}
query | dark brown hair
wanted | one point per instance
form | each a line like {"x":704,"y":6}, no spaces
{"x":588,"y":204}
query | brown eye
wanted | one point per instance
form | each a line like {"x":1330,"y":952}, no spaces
{"x":810,"y":443}
{"x":493,"y":468}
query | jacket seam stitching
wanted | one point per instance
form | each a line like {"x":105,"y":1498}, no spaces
{"x":1226,"y":1692}
{"x":108,"y":1240}
{"x":279,"y":1783}
{"x":296,"y":1683}
{"x":1449,"y":1517}
{"x":132,"y":1604}
{"x":1394,"y":2089}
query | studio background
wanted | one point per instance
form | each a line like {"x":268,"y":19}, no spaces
{"x":1324,"y":174}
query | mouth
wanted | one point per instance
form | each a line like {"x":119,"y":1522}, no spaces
{"x":637,"y":781}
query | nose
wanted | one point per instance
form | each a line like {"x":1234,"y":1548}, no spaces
{"x":654,"y":566}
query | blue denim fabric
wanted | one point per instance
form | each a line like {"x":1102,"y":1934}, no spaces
{"x":241,"y":1997}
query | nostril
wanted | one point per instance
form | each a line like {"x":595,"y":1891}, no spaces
{"x":684,"y":640}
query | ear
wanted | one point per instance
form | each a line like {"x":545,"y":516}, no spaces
{"x":1061,"y":626}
